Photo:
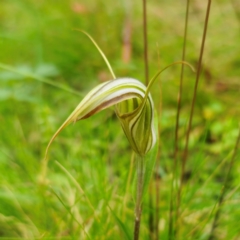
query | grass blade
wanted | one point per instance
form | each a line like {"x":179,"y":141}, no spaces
{"x":40,"y":79}
{"x":121,"y":226}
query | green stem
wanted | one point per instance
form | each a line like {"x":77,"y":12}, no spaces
{"x":139,"y":194}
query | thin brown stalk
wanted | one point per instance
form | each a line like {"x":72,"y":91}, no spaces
{"x":145,"y":42}
{"x":224,"y":189}
{"x":171,"y":233}
{"x":185,"y":153}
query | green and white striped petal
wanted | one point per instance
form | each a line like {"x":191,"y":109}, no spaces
{"x":134,"y":110}
{"x":137,"y":116}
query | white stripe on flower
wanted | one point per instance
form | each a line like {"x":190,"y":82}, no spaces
{"x":135,"y":114}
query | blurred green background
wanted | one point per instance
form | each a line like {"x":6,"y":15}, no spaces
{"x":46,"y":67}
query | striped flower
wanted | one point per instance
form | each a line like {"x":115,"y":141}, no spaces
{"x":133,"y":107}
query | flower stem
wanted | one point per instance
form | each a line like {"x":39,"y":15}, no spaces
{"x":139,"y":194}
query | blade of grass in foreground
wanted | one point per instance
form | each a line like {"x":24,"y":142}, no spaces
{"x":70,"y":213}
{"x":76,"y":184}
{"x":40,"y":79}
{"x":121,"y":225}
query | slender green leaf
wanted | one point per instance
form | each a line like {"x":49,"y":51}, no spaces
{"x":39,"y":78}
{"x":68,"y":209}
{"x":121,"y":226}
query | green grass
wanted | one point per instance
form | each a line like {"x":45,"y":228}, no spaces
{"x":38,"y":39}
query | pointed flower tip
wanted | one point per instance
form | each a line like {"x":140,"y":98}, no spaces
{"x":134,"y":110}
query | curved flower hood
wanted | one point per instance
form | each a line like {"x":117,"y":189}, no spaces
{"x":133,"y":108}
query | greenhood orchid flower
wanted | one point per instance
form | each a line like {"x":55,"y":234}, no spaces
{"x":133,"y":106}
